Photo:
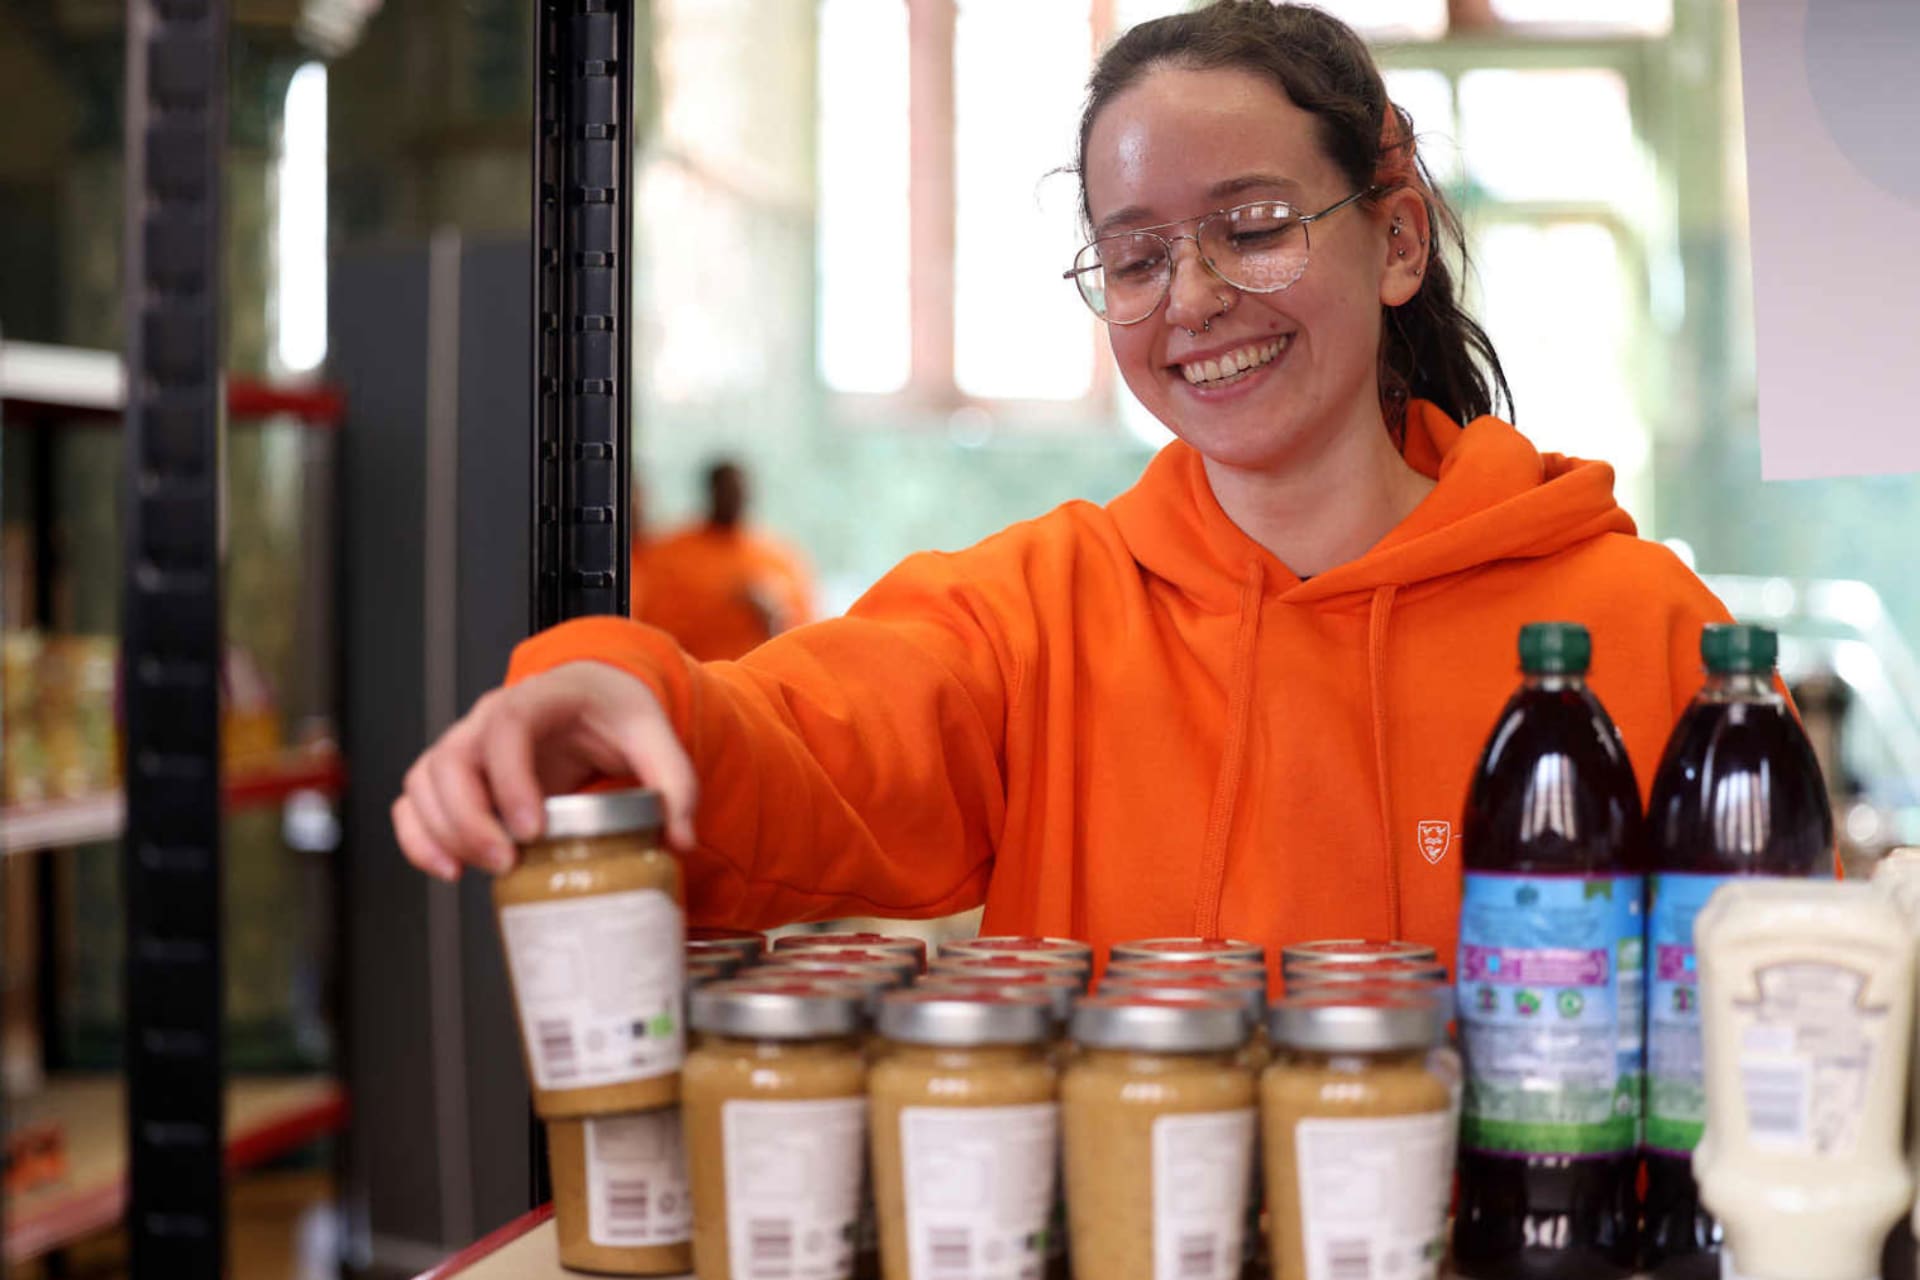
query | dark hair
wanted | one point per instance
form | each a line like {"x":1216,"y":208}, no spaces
{"x":1430,"y":347}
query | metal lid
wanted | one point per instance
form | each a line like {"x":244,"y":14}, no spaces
{"x":1345,"y":1021}
{"x":603,"y":813}
{"x":1007,"y":944}
{"x":728,"y":937}
{"x":1206,"y":964}
{"x":1352,"y":951}
{"x":1368,"y":970}
{"x":1065,"y":977}
{"x":969,"y":961}
{"x":1189,"y":949}
{"x":837,"y":941}
{"x":964,"y":1018}
{"x":1060,"y":999}
{"x":1191,"y":1022}
{"x":760,"y":1009}
{"x":741,"y":951}
{"x":1251,"y":992}
{"x":808,"y":958}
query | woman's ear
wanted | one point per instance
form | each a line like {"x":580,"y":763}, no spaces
{"x":1409,"y":245}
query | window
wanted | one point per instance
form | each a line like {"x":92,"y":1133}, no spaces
{"x":301,"y":235}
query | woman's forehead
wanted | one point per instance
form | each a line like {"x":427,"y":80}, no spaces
{"x":1179,"y":137}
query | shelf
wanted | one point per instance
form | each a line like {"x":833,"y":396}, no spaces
{"x":52,"y":823}
{"x":524,"y":1249}
{"x":266,"y":1116}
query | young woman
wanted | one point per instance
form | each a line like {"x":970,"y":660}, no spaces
{"x":1245,"y":697}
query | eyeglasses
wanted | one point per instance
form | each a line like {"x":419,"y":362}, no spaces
{"x":1259,"y":247}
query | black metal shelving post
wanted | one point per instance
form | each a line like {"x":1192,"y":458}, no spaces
{"x":583,"y":149}
{"x":175,"y":132}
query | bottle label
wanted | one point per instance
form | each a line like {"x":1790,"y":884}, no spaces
{"x":637,"y":1180}
{"x":1549,"y":992}
{"x":1202,"y":1172}
{"x":599,"y":984}
{"x":1676,"y":1086}
{"x":1374,"y":1195}
{"x":1808,"y":1047}
{"x":793,"y":1177}
{"x":979,"y":1189}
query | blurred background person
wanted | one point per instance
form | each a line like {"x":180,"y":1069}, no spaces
{"x":718,"y":586}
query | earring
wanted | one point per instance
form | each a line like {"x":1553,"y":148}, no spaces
{"x":1206,"y":326}
{"x":1403,"y":253}
{"x":1192,"y":334}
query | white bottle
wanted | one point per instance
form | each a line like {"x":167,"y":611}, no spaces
{"x":1806,"y":1013}
{"x":1897,"y":875}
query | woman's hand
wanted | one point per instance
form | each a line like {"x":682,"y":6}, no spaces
{"x":477,"y":790}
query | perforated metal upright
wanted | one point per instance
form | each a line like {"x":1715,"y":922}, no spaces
{"x":175,"y":132}
{"x":583,"y":150}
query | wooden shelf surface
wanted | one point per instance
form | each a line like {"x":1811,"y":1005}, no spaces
{"x":266,"y":1116}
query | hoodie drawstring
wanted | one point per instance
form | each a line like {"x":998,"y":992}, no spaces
{"x":1379,"y":619}
{"x":1211,"y":882}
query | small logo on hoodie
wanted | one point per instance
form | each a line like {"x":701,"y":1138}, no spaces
{"x":1434,"y":839}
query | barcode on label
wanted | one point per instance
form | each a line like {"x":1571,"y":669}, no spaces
{"x":1197,"y":1257}
{"x":629,"y":1204}
{"x":1349,"y":1260}
{"x":1776,"y":1094}
{"x":769,"y":1248}
{"x":950,"y":1253}
{"x":557,"y":1054}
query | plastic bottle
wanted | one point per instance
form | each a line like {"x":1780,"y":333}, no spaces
{"x":1738,"y":793}
{"x":1549,"y":982}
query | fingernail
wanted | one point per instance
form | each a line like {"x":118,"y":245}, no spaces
{"x":500,"y":859}
{"x":525,"y":824}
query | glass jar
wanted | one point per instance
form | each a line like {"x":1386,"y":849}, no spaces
{"x":1351,"y":951}
{"x":592,"y":923}
{"x":1157,"y":949}
{"x":1067,"y":951}
{"x":900,"y":963}
{"x":776,"y":1116}
{"x":860,"y":941}
{"x":749,"y":946}
{"x":621,"y":1204}
{"x":966,"y":1086}
{"x":1157,"y":1114}
{"x":1359,"y":1114}
{"x":1319,"y":973}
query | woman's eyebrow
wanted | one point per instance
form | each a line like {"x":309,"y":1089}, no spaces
{"x":1140,"y":215}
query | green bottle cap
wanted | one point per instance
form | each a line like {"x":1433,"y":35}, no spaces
{"x":1737,"y":649}
{"x":1555,"y":649}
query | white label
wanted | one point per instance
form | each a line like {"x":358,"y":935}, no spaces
{"x":599,"y":984}
{"x":793,"y":1187}
{"x":637,"y":1180}
{"x":1202,"y":1171}
{"x":1373,"y":1195}
{"x":1807,"y":1051}
{"x":979,"y":1190}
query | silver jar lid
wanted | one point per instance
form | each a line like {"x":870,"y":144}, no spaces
{"x":1190,"y":1023}
{"x":805,"y":958}
{"x":841,"y":941}
{"x":1068,"y":949}
{"x":1060,"y":998}
{"x":1370,"y":970}
{"x":1189,"y":949}
{"x":603,"y":813}
{"x":1331,"y":1020}
{"x":1252,"y":995}
{"x":1352,"y":951}
{"x":960,"y":1019}
{"x":759,"y":1009}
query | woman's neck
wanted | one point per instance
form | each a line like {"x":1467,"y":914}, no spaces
{"x":1325,"y":509}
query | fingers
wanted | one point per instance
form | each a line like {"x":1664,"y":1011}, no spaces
{"x":651,"y":747}
{"x":507,"y":756}
{"x":421,"y":849}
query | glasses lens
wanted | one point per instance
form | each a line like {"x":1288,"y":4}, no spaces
{"x":1258,"y":247}
{"x":1123,"y":277}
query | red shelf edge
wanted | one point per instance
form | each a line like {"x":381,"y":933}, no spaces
{"x":488,"y":1244}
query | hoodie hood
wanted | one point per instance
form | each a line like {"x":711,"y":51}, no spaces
{"x":1496,"y":498}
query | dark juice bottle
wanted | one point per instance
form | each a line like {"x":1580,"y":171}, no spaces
{"x":1738,"y":793}
{"x":1550,"y":984}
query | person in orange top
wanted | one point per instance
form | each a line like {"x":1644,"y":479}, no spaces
{"x":719,"y":587}
{"x":1242,"y":699}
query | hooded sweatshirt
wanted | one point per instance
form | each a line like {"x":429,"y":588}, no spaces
{"x":1134,"y":721}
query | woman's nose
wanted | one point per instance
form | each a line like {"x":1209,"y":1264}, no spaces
{"x":1193,"y":292}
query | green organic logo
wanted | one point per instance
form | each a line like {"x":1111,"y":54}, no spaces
{"x":1571,"y":1003}
{"x":1526,"y":1003}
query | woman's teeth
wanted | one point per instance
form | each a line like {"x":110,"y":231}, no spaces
{"x":1235,"y":363}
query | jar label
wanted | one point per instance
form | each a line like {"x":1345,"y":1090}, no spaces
{"x":599,"y":982}
{"x":1202,"y":1174}
{"x":979,"y":1189}
{"x":1676,"y":1086}
{"x":1374,"y":1194}
{"x":637,"y":1193}
{"x":1808,"y":1049}
{"x":1550,"y":994}
{"x":793,"y":1175}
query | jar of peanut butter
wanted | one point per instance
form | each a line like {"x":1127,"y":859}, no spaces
{"x":1322,"y":973}
{"x":749,"y":946}
{"x":962,"y":1102}
{"x":1184,"y":968}
{"x":1359,"y":1113}
{"x":1057,"y":950}
{"x":1162,"y":949}
{"x":594,"y":934}
{"x":620,"y":1197}
{"x":1157,"y":1113}
{"x":899,"y":963}
{"x":1350,"y":951}
{"x":775,"y":1110}
{"x":914,"y":947}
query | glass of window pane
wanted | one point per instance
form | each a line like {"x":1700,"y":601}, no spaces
{"x":1019,"y":332}
{"x":1551,"y":135}
{"x":1638,"y":17}
{"x":863,"y":212}
{"x":1427,"y":96}
{"x":1391,"y":19}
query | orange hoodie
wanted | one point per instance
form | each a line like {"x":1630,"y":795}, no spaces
{"x":1132,"y":720}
